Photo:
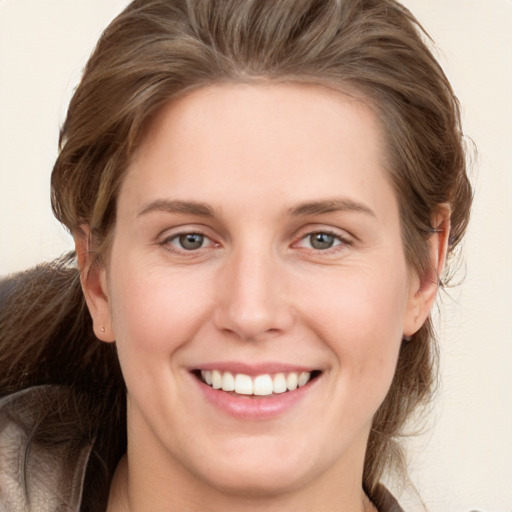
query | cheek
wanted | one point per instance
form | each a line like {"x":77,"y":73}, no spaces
{"x":364,"y":305}
{"x":152,"y":321}
{"x":154,"y":312}
{"x":361,"y":317}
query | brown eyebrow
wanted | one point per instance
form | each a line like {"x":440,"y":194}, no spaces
{"x":308,"y":208}
{"x":173,"y":206}
{"x":328,"y":206}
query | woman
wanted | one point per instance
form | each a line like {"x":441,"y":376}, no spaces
{"x":263,"y":196}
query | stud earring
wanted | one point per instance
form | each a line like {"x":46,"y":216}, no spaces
{"x":102,"y":329}
{"x":406,"y":338}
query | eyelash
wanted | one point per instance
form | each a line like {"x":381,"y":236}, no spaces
{"x":169,"y":246}
{"x":340,"y":242}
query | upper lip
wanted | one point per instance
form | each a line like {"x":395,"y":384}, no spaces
{"x":253,"y":369}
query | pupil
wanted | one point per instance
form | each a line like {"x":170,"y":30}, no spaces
{"x":322,"y":241}
{"x":191,"y":241}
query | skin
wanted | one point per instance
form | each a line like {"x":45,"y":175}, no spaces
{"x":256,"y":290}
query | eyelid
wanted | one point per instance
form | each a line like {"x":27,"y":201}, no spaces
{"x":345,"y":239}
{"x":313,"y":228}
{"x":165,"y":238}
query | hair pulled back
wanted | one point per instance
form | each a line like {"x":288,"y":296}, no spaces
{"x":158,"y":49}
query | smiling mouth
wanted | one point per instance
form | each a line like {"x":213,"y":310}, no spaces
{"x":264,"y":385}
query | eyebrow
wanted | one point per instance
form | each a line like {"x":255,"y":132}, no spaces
{"x":329,"y":206}
{"x":175,"y":206}
{"x":301,"y":210}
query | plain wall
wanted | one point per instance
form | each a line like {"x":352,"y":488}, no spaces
{"x":462,"y":461}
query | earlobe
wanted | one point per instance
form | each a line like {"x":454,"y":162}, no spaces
{"x":93,"y":279}
{"x":424,"y":287}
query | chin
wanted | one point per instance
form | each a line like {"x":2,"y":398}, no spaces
{"x":265,"y":469}
{"x":253,"y":482}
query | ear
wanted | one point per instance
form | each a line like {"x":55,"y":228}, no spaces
{"x":93,"y":278}
{"x":424,"y":287}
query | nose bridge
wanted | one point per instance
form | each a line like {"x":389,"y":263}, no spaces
{"x":253,"y":301}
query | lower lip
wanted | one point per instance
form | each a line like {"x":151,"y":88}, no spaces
{"x":249,"y":407}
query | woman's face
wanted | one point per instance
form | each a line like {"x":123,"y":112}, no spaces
{"x":257,"y":243}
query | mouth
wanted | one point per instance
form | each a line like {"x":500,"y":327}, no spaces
{"x":264,"y":385}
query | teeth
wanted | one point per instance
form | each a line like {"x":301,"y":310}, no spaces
{"x":261,"y":385}
{"x":280,"y":383}
{"x":228,"y":382}
{"x":216,"y":379}
{"x":303,"y":378}
{"x":292,"y":381}
{"x":243,"y":384}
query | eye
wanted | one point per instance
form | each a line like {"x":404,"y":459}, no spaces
{"x":188,"y":244}
{"x":188,"y":241}
{"x":322,"y":241}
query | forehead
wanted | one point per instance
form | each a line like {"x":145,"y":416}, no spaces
{"x":288,"y":141}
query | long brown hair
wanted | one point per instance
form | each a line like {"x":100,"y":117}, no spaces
{"x":156,"y":50}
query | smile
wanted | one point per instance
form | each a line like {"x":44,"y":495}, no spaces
{"x":259,"y":385}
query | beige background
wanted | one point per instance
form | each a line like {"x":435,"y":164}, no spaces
{"x":463,"y":460}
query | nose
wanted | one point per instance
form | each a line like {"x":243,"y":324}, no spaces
{"x":252,"y":301}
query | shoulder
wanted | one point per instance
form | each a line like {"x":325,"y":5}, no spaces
{"x":385,"y":501}
{"x":42,"y":468}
